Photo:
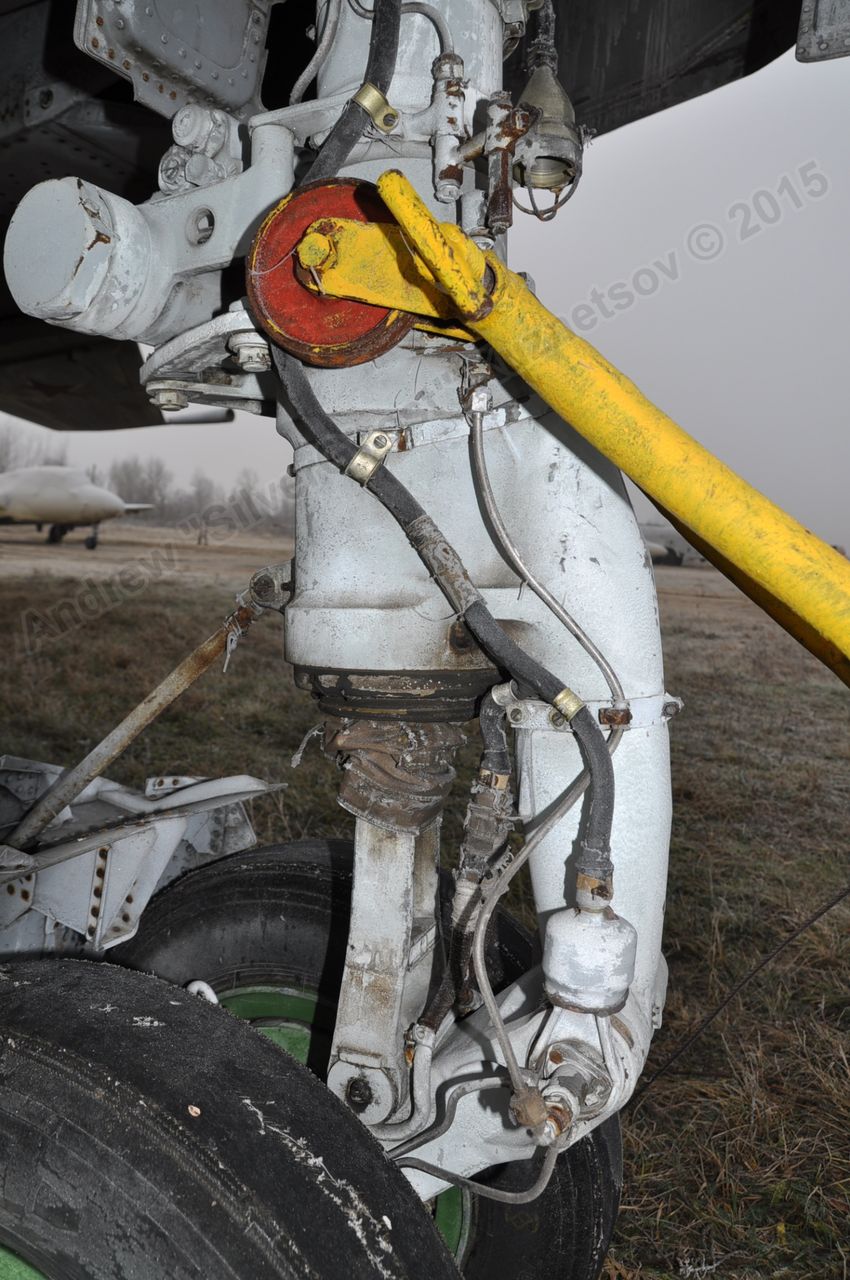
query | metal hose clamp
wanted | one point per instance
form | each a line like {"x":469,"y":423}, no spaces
{"x":369,"y":456}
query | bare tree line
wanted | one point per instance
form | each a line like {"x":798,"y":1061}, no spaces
{"x":17,"y":451}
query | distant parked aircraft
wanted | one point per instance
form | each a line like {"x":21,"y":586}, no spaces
{"x":666,"y":545}
{"x":61,"y":497}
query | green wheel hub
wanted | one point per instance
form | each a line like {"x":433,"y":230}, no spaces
{"x":14,"y":1268}
{"x":300,"y":1023}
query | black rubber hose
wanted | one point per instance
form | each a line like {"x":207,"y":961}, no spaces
{"x":594,"y":857}
{"x":508,"y":655}
{"x":323,"y":433}
{"x":320,"y":430}
{"x":494,"y":735}
{"x":354,"y":120}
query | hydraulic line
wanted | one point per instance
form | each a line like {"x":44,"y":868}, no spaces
{"x":426,"y":10}
{"x":489,"y":900}
{"x":422,"y":1103}
{"x":478,"y":849}
{"x":322,"y":50}
{"x":437,"y":1130}
{"x":490,"y":1193}
{"x":354,"y":120}
{"x":513,"y":556}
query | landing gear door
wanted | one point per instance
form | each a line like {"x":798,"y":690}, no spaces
{"x":212,"y":53}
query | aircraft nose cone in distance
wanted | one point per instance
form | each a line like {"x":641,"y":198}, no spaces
{"x":100,"y":504}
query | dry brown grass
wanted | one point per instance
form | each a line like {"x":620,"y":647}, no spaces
{"x":738,"y":1161}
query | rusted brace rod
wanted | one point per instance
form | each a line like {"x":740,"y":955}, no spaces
{"x":69,"y":785}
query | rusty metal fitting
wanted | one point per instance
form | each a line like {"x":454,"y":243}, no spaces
{"x":529,"y":1108}
{"x":447,"y":66}
{"x":557,"y":1123}
{"x":596,"y":892}
{"x":615,"y":716}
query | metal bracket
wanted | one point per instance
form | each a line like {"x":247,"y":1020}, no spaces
{"x":379,"y":110}
{"x":369,"y":456}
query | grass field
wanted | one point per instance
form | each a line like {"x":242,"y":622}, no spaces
{"x":738,"y":1160}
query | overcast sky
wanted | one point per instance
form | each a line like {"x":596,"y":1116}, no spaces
{"x":706,"y":254}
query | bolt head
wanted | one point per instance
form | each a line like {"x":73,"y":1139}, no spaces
{"x":254,"y":359}
{"x":358,"y":1095}
{"x":315,"y":251}
{"x":170,"y":399}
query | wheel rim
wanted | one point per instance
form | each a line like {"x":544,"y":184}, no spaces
{"x":292,"y":1019}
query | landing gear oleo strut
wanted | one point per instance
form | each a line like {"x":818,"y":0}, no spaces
{"x":464,"y":551}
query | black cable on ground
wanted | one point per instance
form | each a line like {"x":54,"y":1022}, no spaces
{"x":738,"y":987}
{"x":354,"y":120}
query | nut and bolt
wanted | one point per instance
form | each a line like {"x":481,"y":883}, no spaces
{"x":480,"y":400}
{"x":169,"y":399}
{"x":556,"y":1125}
{"x":358,"y":1095}
{"x":316,"y":250}
{"x":263,"y":586}
{"x":250,"y":351}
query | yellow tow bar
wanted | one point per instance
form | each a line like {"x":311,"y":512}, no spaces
{"x":423,"y":265}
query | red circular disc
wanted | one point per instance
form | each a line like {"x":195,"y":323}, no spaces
{"x":320,"y":330}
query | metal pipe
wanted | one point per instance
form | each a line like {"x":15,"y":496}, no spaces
{"x":781,"y":558}
{"x":69,"y":785}
{"x":514,"y":557}
{"x":322,"y":50}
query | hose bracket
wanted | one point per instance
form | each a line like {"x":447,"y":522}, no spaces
{"x":379,"y":110}
{"x":369,"y":456}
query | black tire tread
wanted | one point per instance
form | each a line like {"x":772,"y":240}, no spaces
{"x":109,"y":1176}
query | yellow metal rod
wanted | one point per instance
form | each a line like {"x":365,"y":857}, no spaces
{"x":771,"y":551}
